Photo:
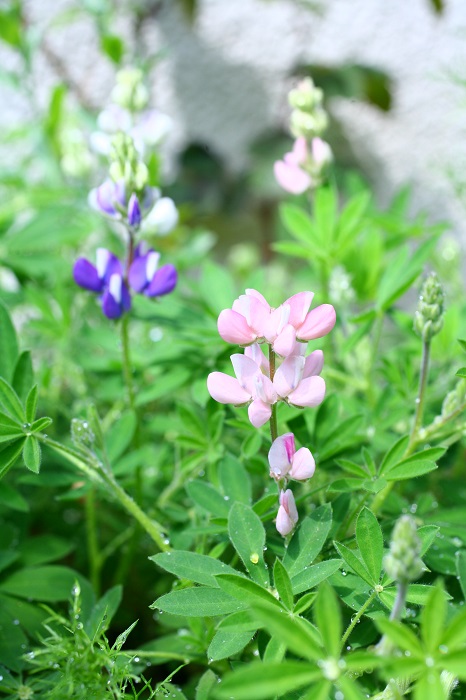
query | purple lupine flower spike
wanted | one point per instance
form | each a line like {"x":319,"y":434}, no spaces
{"x":134,"y":211}
{"x":108,"y":197}
{"x":116,"y":298}
{"x":86,"y":276}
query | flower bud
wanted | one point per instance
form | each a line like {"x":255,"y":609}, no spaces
{"x":428,"y":320}
{"x":130,"y":91}
{"x":403,"y":562}
{"x":308,"y":124}
{"x":305,"y":97}
{"x":82,"y":434}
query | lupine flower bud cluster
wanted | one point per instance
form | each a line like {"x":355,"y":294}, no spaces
{"x":428,"y":320}
{"x":114,"y":282}
{"x":304,"y":167}
{"x":250,"y":323}
{"x":403,"y":562}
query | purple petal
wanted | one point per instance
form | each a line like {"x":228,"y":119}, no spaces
{"x":105,"y":198}
{"x":137,"y":274}
{"x":110,"y":306}
{"x":113,"y":267}
{"x":134,"y":211}
{"x":141,"y":249}
{"x":86,"y":275}
{"x":125,"y":298}
{"x":163,"y":282}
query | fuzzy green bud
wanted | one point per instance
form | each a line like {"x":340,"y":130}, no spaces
{"x":308,"y":124}
{"x":125,"y":163}
{"x":305,"y":97}
{"x":82,"y":434}
{"x":454,"y":399}
{"x":428,"y":320}
{"x":130,"y":91}
{"x":403,"y":562}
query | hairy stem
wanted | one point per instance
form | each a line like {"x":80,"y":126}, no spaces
{"x":126,"y":359}
{"x":93,"y":553}
{"x":355,"y":619}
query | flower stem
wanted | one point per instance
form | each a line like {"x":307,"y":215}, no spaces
{"x":273,"y":417}
{"x":96,"y":471}
{"x":357,"y":617}
{"x":94,"y":557}
{"x":400,"y":600}
{"x":126,"y":358}
{"x":417,"y":423}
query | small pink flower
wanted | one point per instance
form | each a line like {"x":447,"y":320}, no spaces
{"x":285,"y":460}
{"x":287,"y":515}
{"x":297,"y":383}
{"x":288,"y":172}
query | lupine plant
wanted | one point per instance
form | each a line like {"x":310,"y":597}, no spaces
{"x":192,"y":504}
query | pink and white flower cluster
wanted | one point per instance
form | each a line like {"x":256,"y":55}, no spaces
{"x":286,"y":330}
{"x":252,"y":321}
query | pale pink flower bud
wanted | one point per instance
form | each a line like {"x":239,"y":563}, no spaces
{"x":284,"y":460}
{"x":287,"y":515}
{"x":234,"y":328}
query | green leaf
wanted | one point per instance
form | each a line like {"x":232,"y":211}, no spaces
{"x":461,"y":569}
{"x":433,"y":618}
{"x":455,"y":662}
{"x":120,"y":435}
{"x":192,"y":566}
{"x":352,"y":561}
{"x":283,"y":584}
{"x":427,"y":535}
{"x":313,"y":575}
{"x":9,"y":428}
{"x":228,"y":642}
{"x":325,"y":210}
{"x":429,"y":686}
{"x":297,"y":634}
{"x":370,"y":542}
{"x":266,"y":680}
{"x":10,"y":400}
{"x":246,"y":590}
{"x":207,"y":681}
{"x":234,"y":479}
{"x":43,"y":549}
{"x":113,"y":46}
{"x":8,"y":343}
{"x":308,"y":540}
{"x":247,"y":535}
{"x":198,"y":602}
{"x":208,"y":497}
{"x":351,"y":690}
{"x":327,"y":617}
{"x":103,"y":612}
{"x":44,"y":583}
{"x":40,"y":424}
{"x":410,"y":470}
{"x":11,"y":498}
{"x":9,"y":455}
{"x":455,"y":634}
{"x":304,"y":603}
{"x":394,"y":455}
{"x":31,"y":404}
{"x":401,"y":635}
{"x":32,"y":454}
{"x":23,"y":376}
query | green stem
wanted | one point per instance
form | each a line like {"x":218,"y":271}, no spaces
{"x":95,"y":560}
{"x":357,"y":617}
{"x":96,"y":471}
{"x":273,"y":417}
{"x":420,"y":400}
{"x":400,"y":600}
{"x":379,"y":499}
{"x":127,"y":371}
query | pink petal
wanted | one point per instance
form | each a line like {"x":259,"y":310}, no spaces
{"x":254,"y":351}
{"x":303,"y":466}
{"x":258,"y":295}
{"x":313,"y":364}
{"x":285,"y":341}
{"x":226,"y":389}
{"x":281,"y":455}
{"x":310,"y":392}
{"x":291,"y":177}
{"x":288,"y":375}
{"x":300,"y":150}
{"x":259,"y":413}
{"x":288,"y":502}
{"x":299,"y":306}
{"x":254,"y":311}
{"x":264,"y":389}
{"x":233,"y":328}
{"x":317,"y":323}
{"x":246,"y":371}
{"x":299,"y":348}
{"x":276,"y":322}
{"x":284,"y":524}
